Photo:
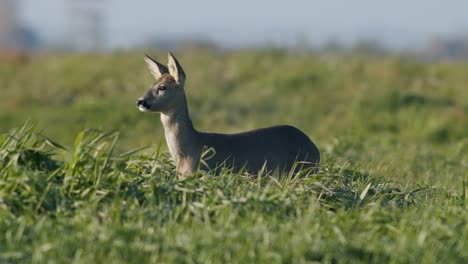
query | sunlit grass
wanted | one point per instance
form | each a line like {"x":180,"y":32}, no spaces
{"x":92,"y":204}
{"x":77,"y":183}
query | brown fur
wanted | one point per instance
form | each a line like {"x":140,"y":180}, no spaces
{"x":271,"y":148}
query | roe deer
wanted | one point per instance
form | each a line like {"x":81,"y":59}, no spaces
{"x":271,"y":148}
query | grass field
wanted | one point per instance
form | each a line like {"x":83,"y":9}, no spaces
{"x":76,"y":187}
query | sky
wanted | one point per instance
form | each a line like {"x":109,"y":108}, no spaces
{"x":396,"y":23}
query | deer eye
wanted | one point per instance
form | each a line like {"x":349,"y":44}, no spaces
{"x":162,"y":88}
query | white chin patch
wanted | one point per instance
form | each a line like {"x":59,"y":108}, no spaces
{"x":142,"y":108}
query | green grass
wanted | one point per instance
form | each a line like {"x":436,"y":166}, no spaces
{"x":392,"y":185}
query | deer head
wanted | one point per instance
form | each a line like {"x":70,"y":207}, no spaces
{"x":167,"y":92}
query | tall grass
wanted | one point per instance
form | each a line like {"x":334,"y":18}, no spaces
{"x":391,"y":187}
{"x":90,"y":204}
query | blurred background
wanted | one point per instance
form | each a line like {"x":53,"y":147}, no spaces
{"x":381,"y":87}
{"x":376,"y":83}
{"x":430,"y":29}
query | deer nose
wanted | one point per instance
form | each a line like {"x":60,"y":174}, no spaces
{"x":140,"y":102}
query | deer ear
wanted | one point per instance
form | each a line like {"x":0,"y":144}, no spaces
{"x":156,"y":68}
{"x":175,"y":69}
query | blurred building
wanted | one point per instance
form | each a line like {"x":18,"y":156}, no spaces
{"x":86,"y":25}
{"x":16,"y":40}
{"x":8,"y":24}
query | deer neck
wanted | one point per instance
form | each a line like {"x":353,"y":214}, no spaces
{"x":180,"y":135}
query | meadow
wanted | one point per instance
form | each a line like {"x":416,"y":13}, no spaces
{"x":86,"y":178}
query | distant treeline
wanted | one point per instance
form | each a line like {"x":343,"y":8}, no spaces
{"x":441,"y":48}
